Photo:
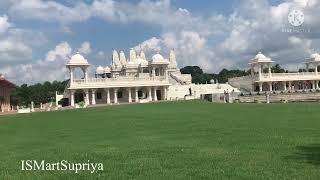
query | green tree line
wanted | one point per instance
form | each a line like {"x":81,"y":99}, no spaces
{"x":38,"y":93}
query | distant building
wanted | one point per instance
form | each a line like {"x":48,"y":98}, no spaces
{"x":262,"y":79}
{"x":135,"y":79}
{"x":5,"y":90}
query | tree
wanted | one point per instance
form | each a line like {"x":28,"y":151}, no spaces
{"x":38,"y":93}
{"x":198,"y":76}
{"x":277,"y":69}
{"x":193,"y":70}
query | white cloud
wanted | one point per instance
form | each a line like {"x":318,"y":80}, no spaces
{"x":12,"y":52}
{"x":61,"y":51}
{"x":49,"y":11}
{"x":4,"y":24}
{"x":212,"y":41}
{"x":51,"y":68}
{"x":14,"y":47}
{"x":85,"y":48}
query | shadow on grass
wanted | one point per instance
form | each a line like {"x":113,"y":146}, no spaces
{"x":308,"y":153}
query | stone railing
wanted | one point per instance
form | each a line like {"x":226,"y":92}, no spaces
{"x":118,"y":81}
{"x":181,"y":78}
{"x":287,"y":76}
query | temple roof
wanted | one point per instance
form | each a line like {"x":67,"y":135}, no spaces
{"x":77,"y":59}
{"x":5,"y":82}
{"x":315,"y":57}
{"x":260,"y":58}
{"x":158,"y":59}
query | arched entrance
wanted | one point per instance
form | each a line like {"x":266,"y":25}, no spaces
{"x":159,"y":94}
{"x":79,"y":96}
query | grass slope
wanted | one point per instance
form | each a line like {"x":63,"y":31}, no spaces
{"x":174,"y":140}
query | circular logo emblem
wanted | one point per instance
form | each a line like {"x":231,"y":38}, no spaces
{"x":296,"y":17}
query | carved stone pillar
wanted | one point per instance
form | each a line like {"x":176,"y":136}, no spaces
{"x":93,"y":96}
{"x":115,"y":96}
{"x":87,"y":97}
{"x":71,"y":97}
{"x":129,"y":95}
{"x":108,"y":96}
{"x":155,"y":94}
{"x":136,"y":95}
{"x":149,"y":94}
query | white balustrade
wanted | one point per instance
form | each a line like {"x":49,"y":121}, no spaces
{"x":118,"y":80}
{"x":287,"y":76}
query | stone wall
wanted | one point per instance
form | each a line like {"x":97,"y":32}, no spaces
{"x":315,"y":96}
{"x":243,"y":83}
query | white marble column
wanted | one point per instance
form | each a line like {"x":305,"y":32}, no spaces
{"x":165,"y":93}
{"x":71,"y":75}
{"x":136,"y":96}
{"x":129,"y":95}
{"x":149,"y":94}
{"x":269,"y":70}
{"x":153,"y":72}
{"x":87,"y":97}
{"x":93,"y":96}
{"x":316,"y":68}
{"x":108,"y":95}
{"x":284,"y":85}
{"x":86,"y":75}
{"x":71,"y":97}
{"x":115,"y":95}
{"x":290,"y":85}
{"x":270,"y":86}
{"x":313,"y":84}
{"x":260,"y":70}
{"x":155,"y":94}
{"x":260,"y":87}
{"x":317,"y":84}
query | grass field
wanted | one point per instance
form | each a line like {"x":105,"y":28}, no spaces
{"x":174,"y":140}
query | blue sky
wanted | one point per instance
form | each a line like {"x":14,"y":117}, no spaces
{"x":38,"y":36}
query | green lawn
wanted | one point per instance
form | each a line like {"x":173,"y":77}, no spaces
{"x":174,"y":140}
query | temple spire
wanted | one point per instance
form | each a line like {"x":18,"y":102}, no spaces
{"x":132,"y":54}
{"x":115,"y":59}
{"x":172,"y":59}
{"x":123,"y":58}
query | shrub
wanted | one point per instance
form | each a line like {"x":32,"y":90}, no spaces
{"x":81,"y":104}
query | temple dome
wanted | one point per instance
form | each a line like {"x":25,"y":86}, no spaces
{"x":78,"y":59}
{"x":99,"y":70}
{"x":107,"y":69}
{"x":315,"y":56}
{"x":260,"y":56}
{"x":158,"y":59}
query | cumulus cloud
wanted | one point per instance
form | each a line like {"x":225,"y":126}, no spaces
{"x":212,"y":41}
{"x":61,"y":51}
{"x":4,"y":24}
{"x":85,"y":48}
{"x":13,"y":45}
{"x":51,"y":68}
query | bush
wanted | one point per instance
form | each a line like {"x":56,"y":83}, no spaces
{"x":283,"y":101}
{"x":82,"y":104}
